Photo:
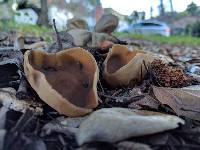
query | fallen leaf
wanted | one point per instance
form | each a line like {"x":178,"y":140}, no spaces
{"x":8,"y":100}
{"x":195,"y":76}
{"x":3,"y":111}
{"x":10,"y":68}
{"x":127,"y":145}
{"x":36,"y":145}
{"x":184,"y":101}
{"x":68,"y":126}
{"x":106,"y":24}
{"x":2,"y":137}
{"x":115,"y":124}
{"x":77,"y":23}
{"x":146,"y":102}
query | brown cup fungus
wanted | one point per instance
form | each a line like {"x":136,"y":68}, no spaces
{"x":66,"y":80}
{"x":123,"y":67}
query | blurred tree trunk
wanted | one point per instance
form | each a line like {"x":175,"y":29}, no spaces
{"x":43,"y":14}
{"x":162,"y":9}
{"x":151,"y":12}
{"x":171,"y":5}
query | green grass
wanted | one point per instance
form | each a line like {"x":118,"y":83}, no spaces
{"x":174,"y":40}
{"x":27,"y":29}
{"x":35,"y":29}
{"x":45,"y":33}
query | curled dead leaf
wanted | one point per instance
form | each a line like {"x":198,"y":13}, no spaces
{"x":106,"y":24}
{"x":77,"y":23}
{"x":68,"y":126}
{"x":66,"y":80}
{"x":184,"y":101}
{"x":125,"y":67}
{"x":8,"y":100}
{"x":115,"y":124}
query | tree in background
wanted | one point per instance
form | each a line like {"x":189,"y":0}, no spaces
{"x":161,"y":8}
{"x":135,"y":16}
{"x":5,"y":13}
{"x":192,"y":9}
{"x":171,"y":5}
{"x":43,"y":14}
{"x":151,"y":12}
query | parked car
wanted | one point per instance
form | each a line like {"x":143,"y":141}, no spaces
{"x":150,"y":27}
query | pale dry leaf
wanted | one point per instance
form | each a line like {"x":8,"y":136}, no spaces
{"x":3,"y":111}
{"x":68,"y":126}
{"x":8,"y":100}
{"x":127,"y":145}
{"x":195,"y":76}
{"x":2,"y":137}
{"x":184,"y":101}
{"x":115,"y":124}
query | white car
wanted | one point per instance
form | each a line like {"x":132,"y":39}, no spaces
{"x":150,"y":27}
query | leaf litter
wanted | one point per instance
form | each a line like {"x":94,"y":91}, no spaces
{"x":25,"y":128}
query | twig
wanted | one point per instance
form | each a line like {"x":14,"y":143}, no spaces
{"x":141,"y":73}
{"x":107,"y":96}
{"x":23,"y":121}
{"x":192,"y":110}
{"x":145,"y":66}
{"x":101,"y":86}
{"x":62,"y":141}
{"x":57,"y":35}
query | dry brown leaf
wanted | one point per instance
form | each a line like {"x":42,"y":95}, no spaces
{"x":77,"y":23}
{"x":184,"y":101}
{"x":146,"y":102}
{"x":106,"y":24}
{"x":65,"y":80}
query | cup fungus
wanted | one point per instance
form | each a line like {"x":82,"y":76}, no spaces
{"x":123,"y":67}
{"x":66,"y":80}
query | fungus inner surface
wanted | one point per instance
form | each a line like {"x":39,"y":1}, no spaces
{"x":70,"y":77}
{"x":118,"y":60}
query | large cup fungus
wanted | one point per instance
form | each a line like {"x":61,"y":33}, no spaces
{"x":123,"y":67}
{"x":66,"y":80}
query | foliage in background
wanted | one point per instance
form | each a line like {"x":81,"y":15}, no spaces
{"x":196,"y":29}
{"x":192,"y":9}
{"x":27,"y":29}
{"x":174,"y":40}
{"x":193,"y":29}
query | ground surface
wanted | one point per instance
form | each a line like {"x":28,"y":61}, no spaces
{"x":24,"y":130}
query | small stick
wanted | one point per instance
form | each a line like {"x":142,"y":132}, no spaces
{"x":57,"y":35}
{"x":121,"y":97}
{"x":141,"y":73}
{"x":101,"y":86}
{"x":145,"y":66}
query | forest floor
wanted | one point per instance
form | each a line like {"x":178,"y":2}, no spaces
{"x":27,"y":123}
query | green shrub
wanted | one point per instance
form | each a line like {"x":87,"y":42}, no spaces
{"x":196,"y":29}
